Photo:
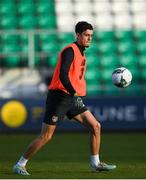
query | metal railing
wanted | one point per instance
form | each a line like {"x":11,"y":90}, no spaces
{"x":31,"y":44}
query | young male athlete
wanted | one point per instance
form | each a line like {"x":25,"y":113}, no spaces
{"x":66,"y":90}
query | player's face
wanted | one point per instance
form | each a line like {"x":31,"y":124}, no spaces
{"x":85,"y":38}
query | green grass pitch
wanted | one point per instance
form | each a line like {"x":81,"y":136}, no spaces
{"x":67,"y":156}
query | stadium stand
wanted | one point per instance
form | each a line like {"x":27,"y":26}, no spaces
{"x":45,"y":26}
{"x":17,"y":83}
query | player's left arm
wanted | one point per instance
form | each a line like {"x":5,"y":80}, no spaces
{"x":67,"y":59}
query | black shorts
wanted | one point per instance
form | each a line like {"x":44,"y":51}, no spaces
{"x":59,"y":105}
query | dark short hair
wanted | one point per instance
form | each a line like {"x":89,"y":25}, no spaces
{"x":82,"y":26}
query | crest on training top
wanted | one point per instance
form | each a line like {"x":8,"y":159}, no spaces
{"x":54,"y":118}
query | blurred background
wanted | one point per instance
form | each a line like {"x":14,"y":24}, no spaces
{"x":32,"y":32}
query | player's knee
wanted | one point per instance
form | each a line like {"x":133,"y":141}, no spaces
{"x":97,"y":128}
{"x":46,"y":138}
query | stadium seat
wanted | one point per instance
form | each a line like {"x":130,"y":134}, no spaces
{"x":136,"y":75}
{"x":109,"y":61}
{"x":52,"y":60}
{"x":7,"y":38}
{"x":49,"y":47}
{"x":101,"y":7}
{"x":124,"y":47}
{"x":138,"y":19}
{"x":81,"y":8}
{"x":45,"y":7}
{"x":63,"y":45}
{"x":26,"y":1}
{"x":49,"y":43}
{"x":128,"y":60}
{"x":142,"y":61}
{"x":27,"y":22}
{"x":92,"y":60}
{"x":52,"y":2}
{"x":11,"y":62}
{"x":94,"y":90}
{"x":138,"y":6}
{"x":123,"y":35}
{"x":93,"y":75}
{"x":37,"y":61}
{"x":24,"y":47}
{"x":141,"y":47}
{"x":50,"y":37}
{"x":106,"y":47}
{"x":24,"y":38}
{"x":10,"y":48}
{"x":8,"y":22}
{"x":104,"y":21}
{"x":26,"y":8}
{"x":139,"y":35}
{"x":88,"y":16}
{"x":66,"y":37}
{"x":123,"y":20}
{"x":106,"y":75}
{"x":104,"y":35}
{"x":120,"y":6}
{"x":46,"y":21}
{"x":63,"y":7}
{"x":65,"y":22}
{"x":93,"y":47}
{"x":7,"y":8}
{"x":93,"y":81}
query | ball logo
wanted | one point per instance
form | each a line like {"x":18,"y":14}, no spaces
{"x":13,"y":114}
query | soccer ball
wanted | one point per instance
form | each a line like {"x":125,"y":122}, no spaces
{"x":121,"y":77}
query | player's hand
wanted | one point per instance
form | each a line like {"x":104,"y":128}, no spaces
{"x":78,"y":101}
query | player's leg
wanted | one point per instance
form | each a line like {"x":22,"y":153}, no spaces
{"x":57,"y":104}
{"x":88,"y":120}
{"x":44,"y":137}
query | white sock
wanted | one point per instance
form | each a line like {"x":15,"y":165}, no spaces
{"x":22,"y":161}
{"x":95,"y":159}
